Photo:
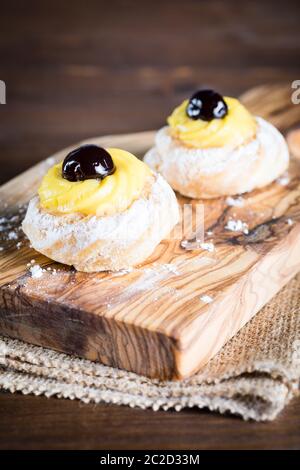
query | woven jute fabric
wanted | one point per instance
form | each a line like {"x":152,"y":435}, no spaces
{"x":255,"y":375}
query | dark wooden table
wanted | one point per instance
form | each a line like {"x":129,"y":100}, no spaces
{"x":78,"y":69}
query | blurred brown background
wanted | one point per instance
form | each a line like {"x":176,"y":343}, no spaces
{"x":76,"y":69}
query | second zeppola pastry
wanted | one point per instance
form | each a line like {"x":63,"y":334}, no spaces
{"x":214,"y":147}
{"x":100,"y":209}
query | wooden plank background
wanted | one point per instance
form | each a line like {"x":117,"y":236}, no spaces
{"x":74,"y":70}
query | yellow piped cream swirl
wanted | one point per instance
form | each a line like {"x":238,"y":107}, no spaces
{"x":236,"y":128}
{"x":110,"y":196}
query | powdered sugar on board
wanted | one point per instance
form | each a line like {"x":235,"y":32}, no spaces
{"x":36,"y":271}
{"x":148,"y":279}
{"x":237,"y":226}
{"x":11,"y":234}
{"x":235,"y":201}
{"x":284,"y":179}
{"x":207,"y":299}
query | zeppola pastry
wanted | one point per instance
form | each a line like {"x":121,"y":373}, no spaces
{"x":100,"y":209}
{"x":214,"y":147}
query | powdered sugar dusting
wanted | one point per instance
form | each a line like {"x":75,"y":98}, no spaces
{"x":36,"y":271}
{"x":149,"y":279}
{"x":237,"y":226}
{"x":11,"y":234}
{"x":207,"y":299}
{"x":235,"y":202}
{"x":191,"y":171}
{"x":50,"y":161}
{"x":152,"y":217}
{"x":122,"y":272}
{"x":283,"y":180}
{"x":191,"y":245}
{"x":208,"y":246}
{"x":171,"y":267}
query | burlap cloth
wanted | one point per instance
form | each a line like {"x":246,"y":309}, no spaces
{"x":255,"y":375}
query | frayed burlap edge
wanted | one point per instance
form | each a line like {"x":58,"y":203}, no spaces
{"x":255,"y":375}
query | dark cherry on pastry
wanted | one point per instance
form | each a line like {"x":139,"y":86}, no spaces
{"x":206,"y":105}
{"x":87,"y":162}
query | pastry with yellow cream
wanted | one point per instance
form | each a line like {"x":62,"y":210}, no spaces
{"x":100,"y":209}
{"x":214,"y":147}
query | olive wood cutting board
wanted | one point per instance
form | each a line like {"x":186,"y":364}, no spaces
{"x":169,"y":316}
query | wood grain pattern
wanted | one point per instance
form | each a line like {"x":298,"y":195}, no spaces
{"x":152,"y":320}
{"x":73,"y":74}
{"x":30,"y":422}
{"x":62,"y":67}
